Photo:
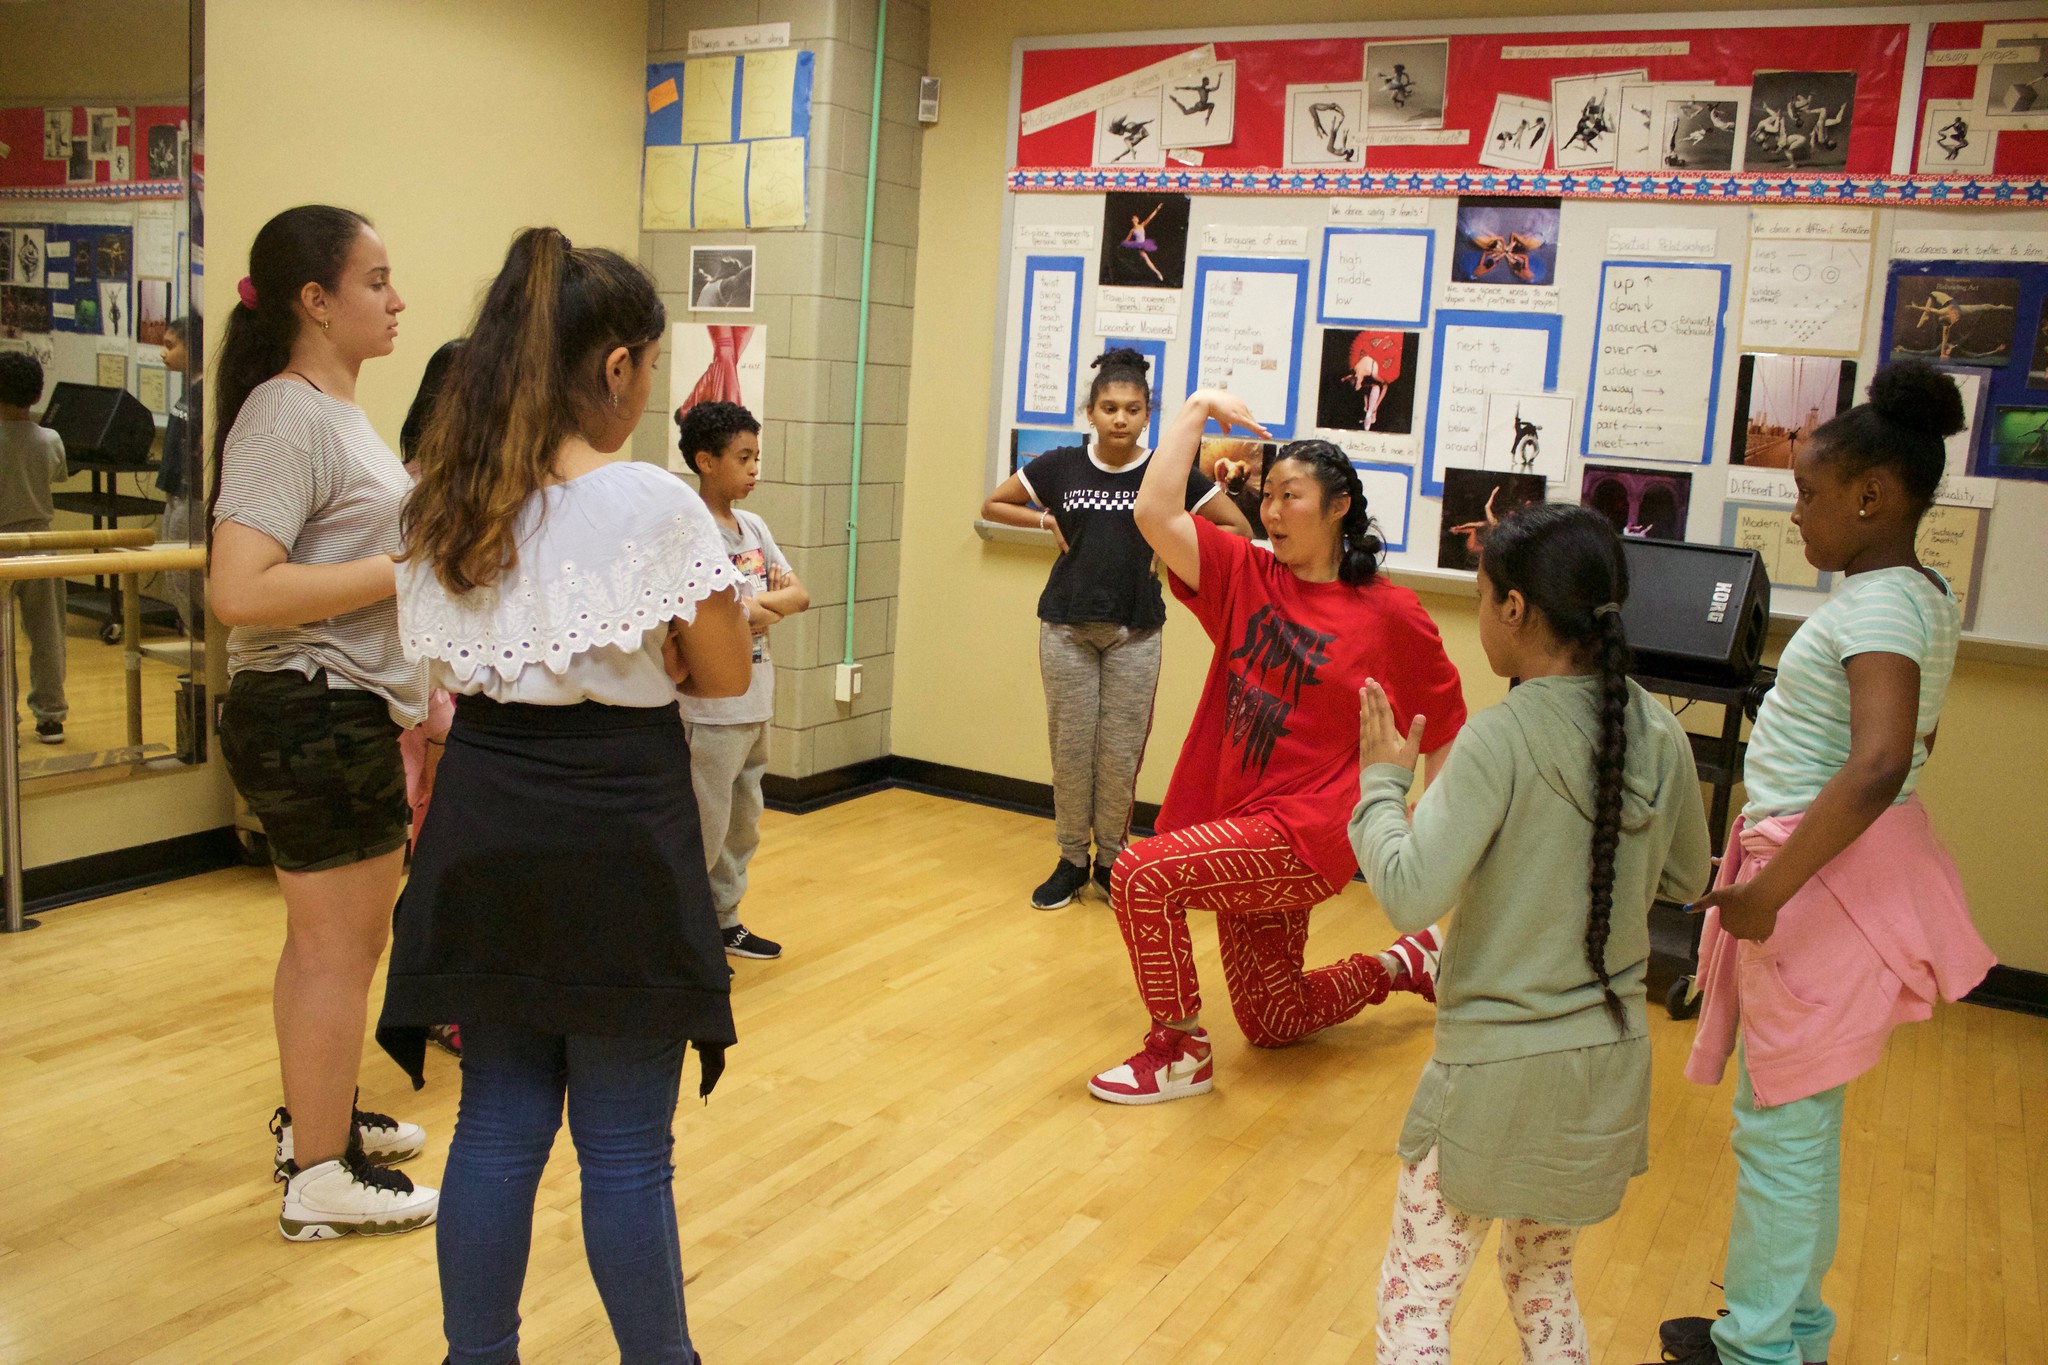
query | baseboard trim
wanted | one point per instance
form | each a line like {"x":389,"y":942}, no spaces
{"x":802,"y":795}
{"x":2013,"y":988}
{"x":127,"y":869}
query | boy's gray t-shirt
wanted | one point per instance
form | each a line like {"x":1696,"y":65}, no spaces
{"x":754,"y":552}
{"x":31,"y":459}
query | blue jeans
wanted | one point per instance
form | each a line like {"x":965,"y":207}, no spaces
{"x":622,"y":1103}
{"x":1788,"y":1186}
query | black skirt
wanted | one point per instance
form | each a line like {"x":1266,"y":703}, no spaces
{"x":559,"y":886}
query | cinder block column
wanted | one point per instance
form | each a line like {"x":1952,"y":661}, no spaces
{"x":807,"y":294}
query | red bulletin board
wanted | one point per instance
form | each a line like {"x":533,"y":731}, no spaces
{"x":2020,"y":151}
{"x":24,"y":168}
{"x":1476,"y":74}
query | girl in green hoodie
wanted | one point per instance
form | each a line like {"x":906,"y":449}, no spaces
{"x":1560,"y":815}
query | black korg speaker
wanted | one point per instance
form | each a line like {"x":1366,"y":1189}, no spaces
{"x":1696,"y":613}
{"x":100,"y":424}
{"x":1696,"y":617}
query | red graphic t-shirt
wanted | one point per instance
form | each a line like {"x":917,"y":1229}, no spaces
{"x":1276,"y":733}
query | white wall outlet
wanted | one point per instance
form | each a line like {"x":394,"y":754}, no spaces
{"x":846,"y":681}
{"x":927,"y":99}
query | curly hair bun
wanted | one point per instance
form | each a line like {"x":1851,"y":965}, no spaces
{"x":1120,"y":357}
{"x":1917,"y":397}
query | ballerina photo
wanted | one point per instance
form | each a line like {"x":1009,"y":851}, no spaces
{"x":1144,"y":240}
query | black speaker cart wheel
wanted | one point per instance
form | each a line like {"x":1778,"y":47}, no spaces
{"x":1679,"y":1000}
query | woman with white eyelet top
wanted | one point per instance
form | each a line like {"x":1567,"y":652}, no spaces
{"x":559,"y":912}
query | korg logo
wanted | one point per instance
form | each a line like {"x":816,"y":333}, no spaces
{"x":1718,"y":613}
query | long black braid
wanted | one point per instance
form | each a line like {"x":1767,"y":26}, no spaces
{"x":1567,"y":563}
{"x":1361,"y":551}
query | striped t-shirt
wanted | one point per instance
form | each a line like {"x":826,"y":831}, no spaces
{"x":311,"y":473}
{"x":1801,"y":738}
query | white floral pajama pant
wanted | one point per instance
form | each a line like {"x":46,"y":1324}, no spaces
{"x":1432,"y":1250}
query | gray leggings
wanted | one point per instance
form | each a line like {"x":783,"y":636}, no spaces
{"x":1099,"y":683}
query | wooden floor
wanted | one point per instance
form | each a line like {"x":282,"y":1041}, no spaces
{"x":902,"y":1165}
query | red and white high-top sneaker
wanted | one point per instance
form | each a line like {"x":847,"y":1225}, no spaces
{"x":1417,"y":954}
{"x":1171,"y":1066}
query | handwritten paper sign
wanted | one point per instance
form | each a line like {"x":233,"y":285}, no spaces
{"x":1948,"y":244}
{"x":1249,"y":314}
{"x":1149,"y":313}
{"x":1376,"y":278}
{"x":1656,"y":361}
{"x":1380,"y":212}
{"x":1258,"y":241}
{"x":1813,"y":225}
{"x":1951,"y":542}
{"x":1052,"y":331}
{"x":1055,"y":236}
{"x":1633,"y":243}
{"x":1770,"y":532}
{"x":1805,"y":296}
{"x":1479,"y":354}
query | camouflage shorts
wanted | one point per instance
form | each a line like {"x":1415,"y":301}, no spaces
{"x":320,"y":767}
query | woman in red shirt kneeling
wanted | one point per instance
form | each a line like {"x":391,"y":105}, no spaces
{"x":1253,"y":828}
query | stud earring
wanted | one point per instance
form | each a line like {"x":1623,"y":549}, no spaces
{"x":1863,"y":511}
{"x":324,"y":324}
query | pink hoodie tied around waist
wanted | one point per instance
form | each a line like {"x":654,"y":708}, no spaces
{"x":1868,"y":943}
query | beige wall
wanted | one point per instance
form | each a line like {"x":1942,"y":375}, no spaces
{"x":967,"y":690}
{"x":451,"y":125}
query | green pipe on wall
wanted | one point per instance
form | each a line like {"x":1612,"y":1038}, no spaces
{"x":860,"y":358}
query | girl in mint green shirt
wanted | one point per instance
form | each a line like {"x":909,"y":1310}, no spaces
{"x":1807,"y":977}
{"x":1561,"y":813}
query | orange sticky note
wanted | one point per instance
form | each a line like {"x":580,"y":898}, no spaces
{"x":662,"y":96}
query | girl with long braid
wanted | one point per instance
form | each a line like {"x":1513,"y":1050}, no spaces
{"x":1535,"y":1108}
{"x":1253,"y":825}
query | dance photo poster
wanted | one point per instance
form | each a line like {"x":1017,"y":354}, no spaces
{"x":715,"y":363}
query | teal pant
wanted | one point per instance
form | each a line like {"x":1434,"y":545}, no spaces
{"x":1788,"y":1188}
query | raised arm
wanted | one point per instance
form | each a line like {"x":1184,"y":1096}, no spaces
{"x":1161,"y":511}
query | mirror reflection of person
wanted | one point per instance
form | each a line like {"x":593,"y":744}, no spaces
{"x":31,"y":459}
{"x":175,"y":467}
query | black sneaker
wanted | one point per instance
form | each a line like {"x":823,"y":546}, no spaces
{"x":1102,"y":879}
{"x":1058,"y":889}
{"x":49,"y":732}
{"x":1690,"y":1339}
{"x":741,"y":941}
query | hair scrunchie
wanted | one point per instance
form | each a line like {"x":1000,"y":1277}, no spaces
{"x":246,"y":291}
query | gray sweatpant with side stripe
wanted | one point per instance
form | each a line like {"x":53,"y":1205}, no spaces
{"x":1099,"y":683}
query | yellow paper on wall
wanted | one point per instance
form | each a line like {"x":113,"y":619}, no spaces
{"x":1793,"y":569}
{"x":665,"y":189}
{"x":149,"y":387}
{"x":113,"y":370}
{"x":775,"y":183}
{"x":721,"y":198}
{"x":707,"y":98}
{"x":767,"y":89}
{"x":1951,"y":542}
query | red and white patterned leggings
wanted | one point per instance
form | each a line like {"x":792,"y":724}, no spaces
{"x":1260,"y":891}
{"x":1431,"y":1251}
